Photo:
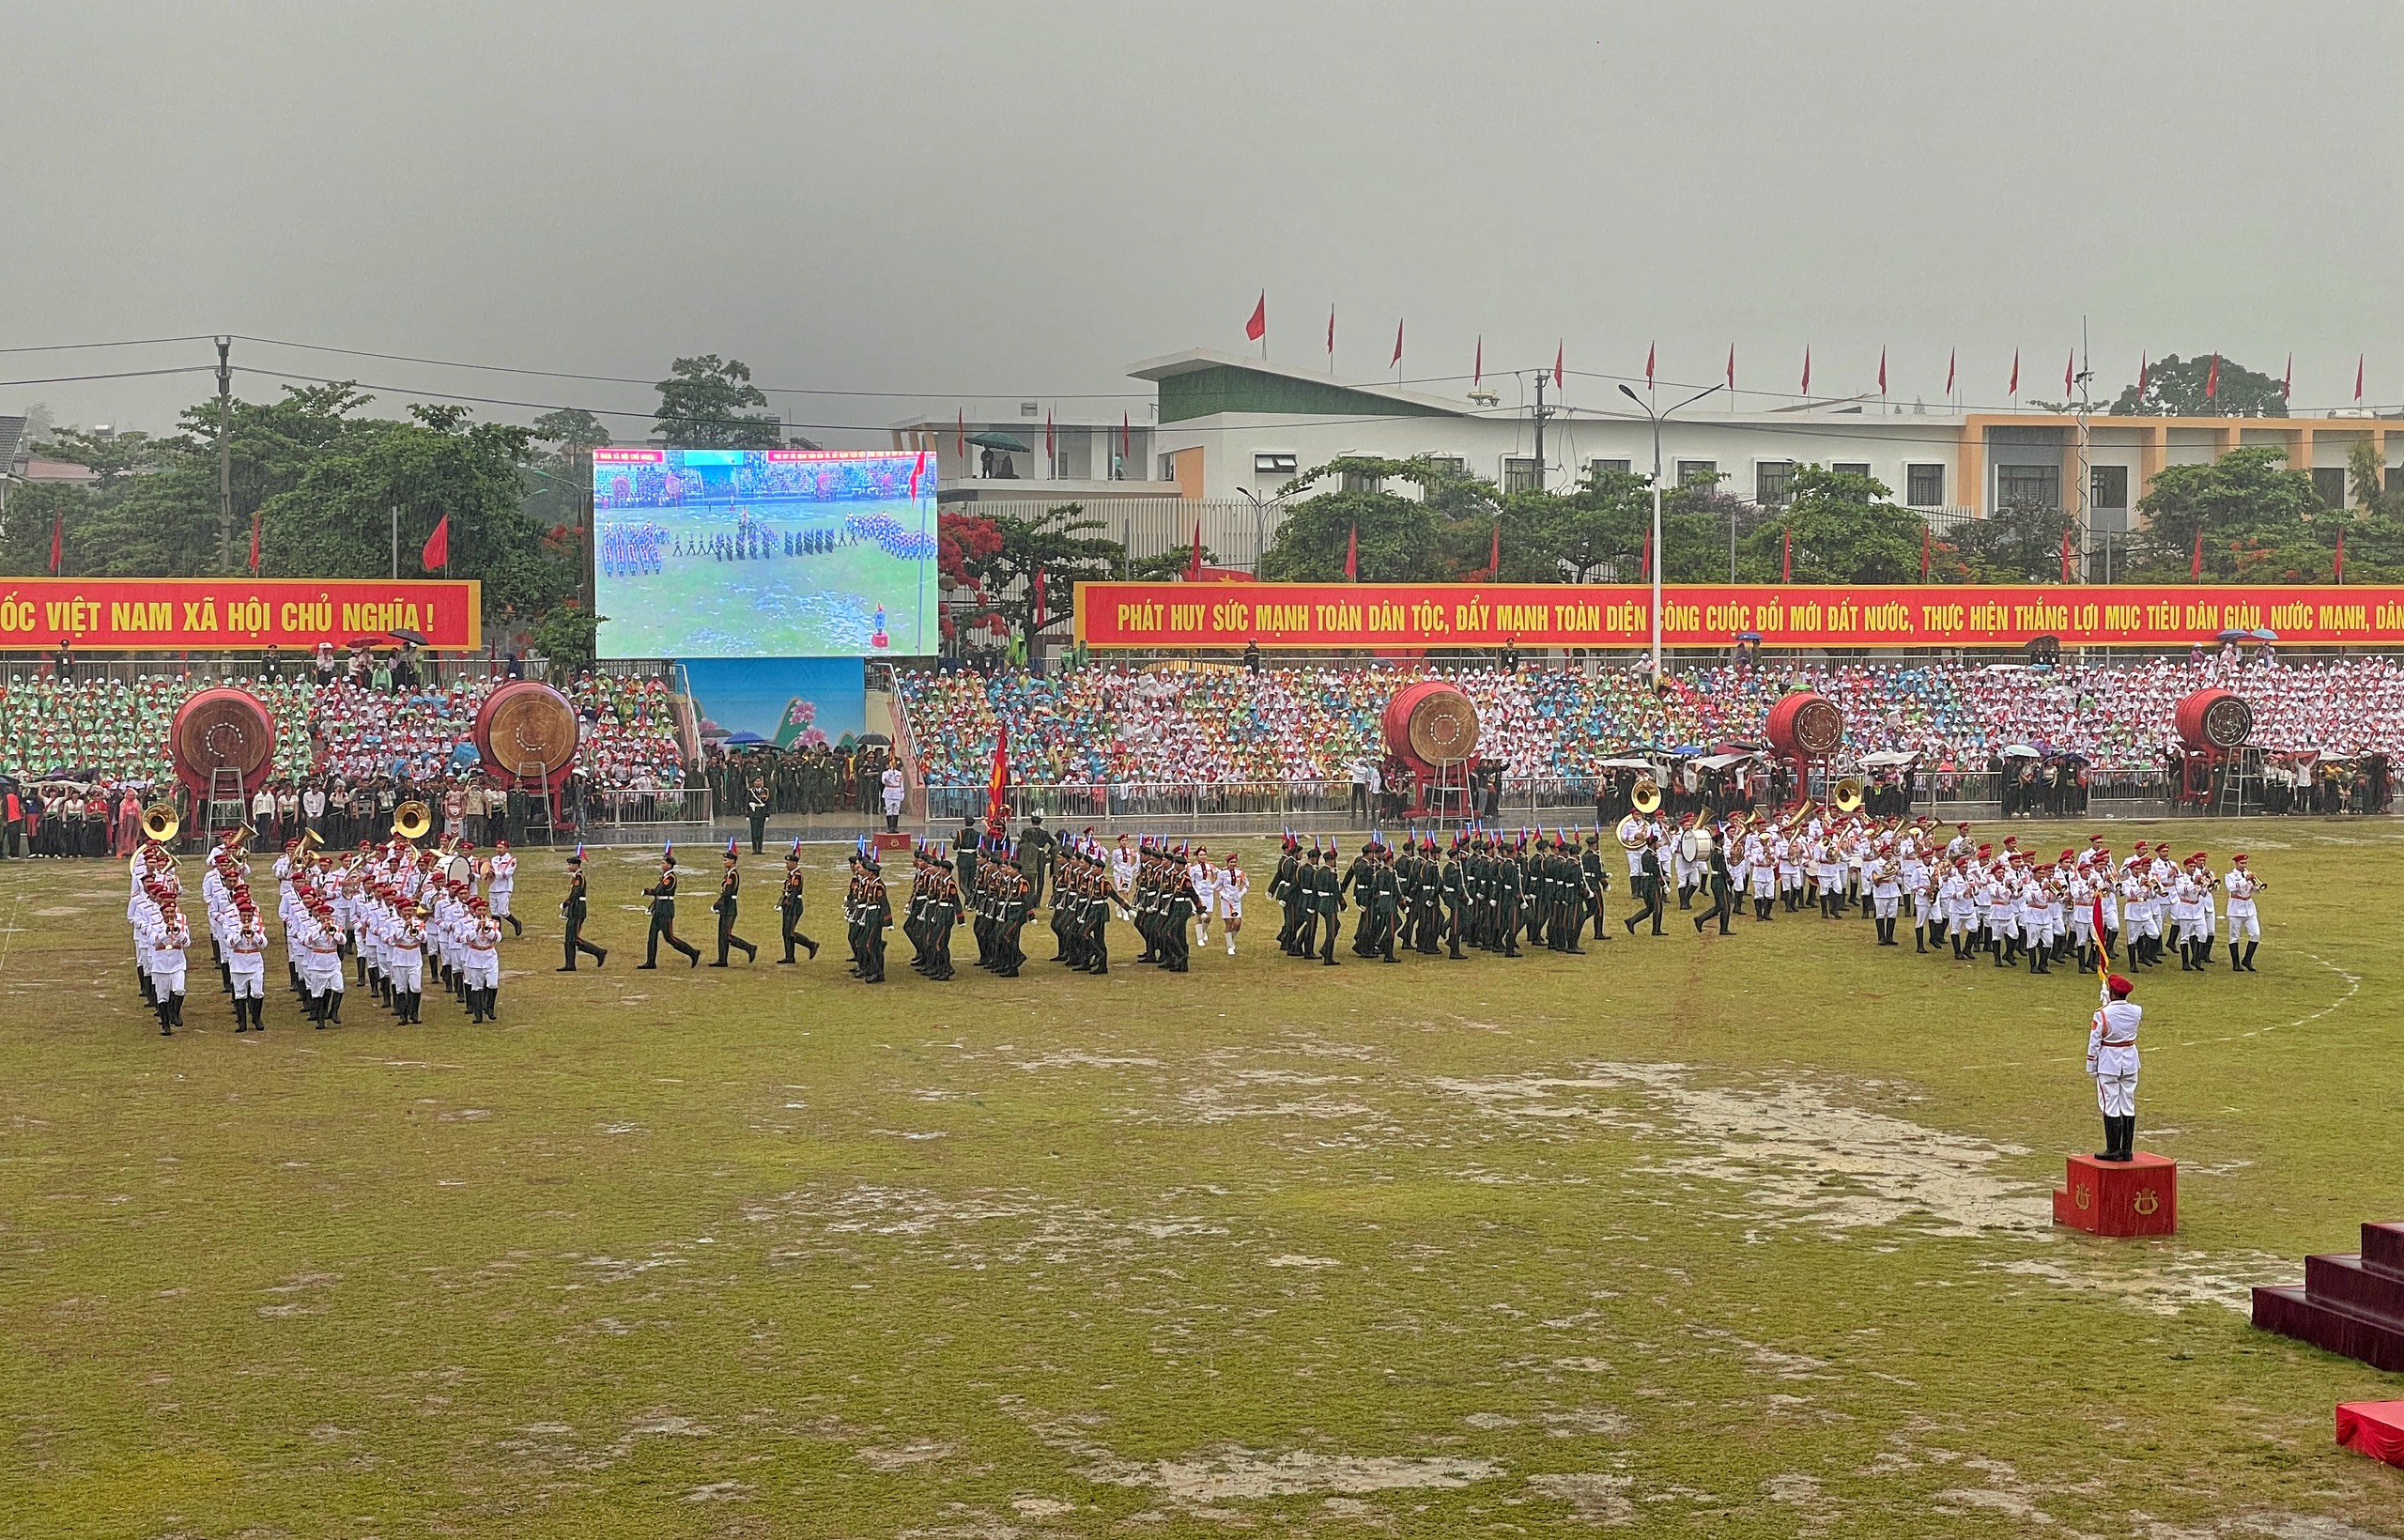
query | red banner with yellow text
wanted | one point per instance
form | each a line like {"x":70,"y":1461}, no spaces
{"x":1408,"y":616}
{"x":195,"y":614}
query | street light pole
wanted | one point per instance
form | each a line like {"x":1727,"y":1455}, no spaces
{"x":1657,"y":416}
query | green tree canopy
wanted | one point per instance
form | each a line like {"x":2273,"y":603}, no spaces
{"x":2253,"y":514}
{"x":1402,"y":539}
{"x":702,"y":406}
{"x":2174,"y":388}
{"x":1845,"y":531}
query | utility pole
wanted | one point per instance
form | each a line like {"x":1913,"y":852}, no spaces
{"x":1647,"y":409}
{"x":1541,"y":412}
{"x":396,"y":542}
{"x":2086,"y":468}
{"x":224,"y":454}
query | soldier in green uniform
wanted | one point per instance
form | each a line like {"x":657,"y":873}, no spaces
{"x":1009,"y":915}
{"x":876,"y":913}
{"x":1330,"y":905}
{"x":1717,"y":868}
{"x":789,"y":906}
{"x":729,"y":888}
{"x":573,"y":911}
{"x":1385,"y":896}
{"x":662,"y":895}
{"x":1358,"y":878}
{"x":1598,"y":881}
{"x":1037,"y":848}
{"x":1449,"y":879}
{"x":1284,"y":889}
{"x":756,"y":806}
{"x":943,"y":912}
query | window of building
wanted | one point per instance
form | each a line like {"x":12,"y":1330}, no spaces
{"x":1769,"y":481}
{"x":1275,"y":464}
{"x":1850,"y":468}
{"x":2330,"y":482}
{"x":1698,"y":470}
{"x":2041,"y":484}
{"x":1522,"y":474}
{"x":1619,"y":468}
{"x":1168,"y":467}
{"x":1357,"y":481}
{"x":1924,"y":486}
{"x":1448,"y":465}
{"x":2108,"y":486}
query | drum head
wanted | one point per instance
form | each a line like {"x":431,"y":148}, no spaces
{"x":527,"y":729}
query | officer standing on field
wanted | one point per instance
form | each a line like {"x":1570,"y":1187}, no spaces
{"x":2112,"y":1060}
{"x":757,"y":807}
{"x":789,"y":906}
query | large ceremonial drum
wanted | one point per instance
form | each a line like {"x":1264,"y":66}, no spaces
{"x":1805,"y":725}
{"x":2214,"y":722}
{"x":221,"y":728}
{"x":1430,"y":723}
{"x":527,"y":733}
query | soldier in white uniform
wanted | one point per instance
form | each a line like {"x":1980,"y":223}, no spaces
{"x":1199,"y":871}
{"x":1233,"y":883}
{"x":171,"y":938}
{"x":2112,"y":1060}
{"x":503,"y":867}
{"x":246,"y":967}
{"x":2242,"y":885}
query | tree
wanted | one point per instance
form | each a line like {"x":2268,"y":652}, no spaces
{"x":1400,"y":539}
{"x":1056,"y":542}
{"x":700,"y":406}
{"x":33,"y":513}
{"x":566,"y":636}
{"x":572,"y":427}
{"x":2176,"y":389}
{"x":2253,"y":514}
{"x":1844,"y":530}
{"x":112,"y":456}
{"x":2019,"y":542}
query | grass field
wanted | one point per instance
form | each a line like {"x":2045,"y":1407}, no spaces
{"x":1742,"y":1237}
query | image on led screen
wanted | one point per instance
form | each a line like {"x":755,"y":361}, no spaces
{"x":763,"y":552}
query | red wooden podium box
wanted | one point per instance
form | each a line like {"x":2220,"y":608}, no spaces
{"x":2120,"y":1198}
{"x":884,"y":844}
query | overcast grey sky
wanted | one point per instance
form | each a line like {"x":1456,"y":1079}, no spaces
{"x":989,"y":203}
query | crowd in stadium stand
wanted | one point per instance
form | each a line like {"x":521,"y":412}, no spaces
{"x":1122,"y":726}
{"x":82,"y":756}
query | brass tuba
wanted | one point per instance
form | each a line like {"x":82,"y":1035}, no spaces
{"x":159,"y":822}
{"x":1631,"y":833}
{"x":1646,"y":799}
{"x":1848,"y":794}
{"x":412,"y":821}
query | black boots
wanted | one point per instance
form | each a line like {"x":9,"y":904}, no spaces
{"x":2119,"y":1139}
{"x":2248,"y":963}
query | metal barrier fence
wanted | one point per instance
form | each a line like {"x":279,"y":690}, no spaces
{"x":612,"y":814}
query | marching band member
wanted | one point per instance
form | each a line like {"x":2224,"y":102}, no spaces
{"x":246,"y":966}
{"x":2242,"y":885}
{"x":500,"y":873}
{"x":480,"y":950}
{"x":170,"y":939}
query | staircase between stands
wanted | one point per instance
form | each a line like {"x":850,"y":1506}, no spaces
{"x":2352,"y":1304}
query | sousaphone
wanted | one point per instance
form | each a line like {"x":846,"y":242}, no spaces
{"x":1848,"y":794}
{"x":160,"y":823}
{"x":1646,"y":799}
{"x":412,"y":821}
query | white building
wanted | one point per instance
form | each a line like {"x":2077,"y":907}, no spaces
{"x":1232,"y":426}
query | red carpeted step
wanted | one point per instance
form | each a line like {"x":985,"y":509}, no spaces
{"x":2341,"y":1330}
{"x":2373,"y":1427}
{"x":2383,"y":1246}
{"x":2357,"y":1283}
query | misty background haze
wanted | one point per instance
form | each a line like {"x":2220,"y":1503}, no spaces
{"x":953,"y":207}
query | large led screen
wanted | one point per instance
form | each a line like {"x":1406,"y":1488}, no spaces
{"x":763,"y":552}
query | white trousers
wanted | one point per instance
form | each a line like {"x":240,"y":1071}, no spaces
{"x":2246,"y":925}
{"x":250,"y":983}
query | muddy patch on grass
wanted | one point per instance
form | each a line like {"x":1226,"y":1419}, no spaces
{"x":1230,"y":1473}
{"x":1800,"y":1156}
{"x":1593,"y":1497}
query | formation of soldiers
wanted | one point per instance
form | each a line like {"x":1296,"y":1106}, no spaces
{"x":2014,"y":906}
{"x":392,"y":912}
{"x":1486,"y":892}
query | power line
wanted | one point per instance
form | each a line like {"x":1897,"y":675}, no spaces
{"x":121,"y":373}
{"x":79,"y":347}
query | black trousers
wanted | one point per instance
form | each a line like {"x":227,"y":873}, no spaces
{"x":664,"y":926}
{"x":576,"y":943}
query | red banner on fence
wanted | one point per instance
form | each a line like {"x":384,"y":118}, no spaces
{"x":197,"y":614}
{"x":1406,"y":616}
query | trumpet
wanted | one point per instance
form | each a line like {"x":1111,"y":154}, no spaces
{"x":412,"y":821}
{"x":1848,"y":794}
{"x":159,"y":822}
{"x":1646,"y":799}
